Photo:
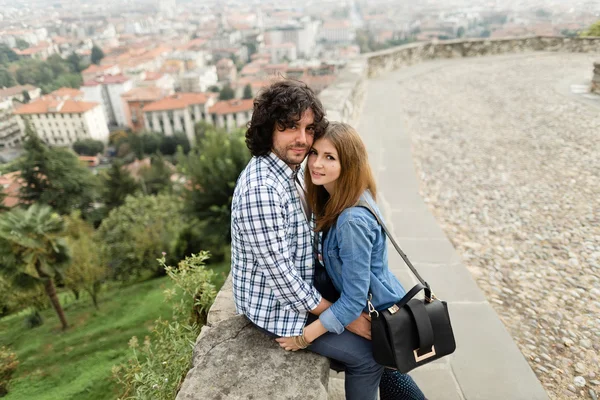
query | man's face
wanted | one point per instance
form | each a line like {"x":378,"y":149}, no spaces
{"x":293,"y":143}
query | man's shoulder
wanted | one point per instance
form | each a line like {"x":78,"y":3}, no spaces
{"x":259,"y":173}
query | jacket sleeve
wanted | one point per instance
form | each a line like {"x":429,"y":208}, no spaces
{"x":261,"y":219}
{"x":355,"y":241}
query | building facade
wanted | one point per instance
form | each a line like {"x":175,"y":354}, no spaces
{"x":63,"y":122}
{"x":11,"y":134}
{"x":199,"y":80}
{"x":231,"y":114}
{"x":178,"y":113}
{"x":107,"y":90}
{"x":134,"y":102}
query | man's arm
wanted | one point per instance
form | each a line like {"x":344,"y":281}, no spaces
{"x":262,"y":223}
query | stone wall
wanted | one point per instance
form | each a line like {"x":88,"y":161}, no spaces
{"x":343,"y":99}
{"x":233,"y":360}
{"x":596,"y":79}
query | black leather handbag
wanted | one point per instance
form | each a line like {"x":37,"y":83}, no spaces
{"x":412,"y":332}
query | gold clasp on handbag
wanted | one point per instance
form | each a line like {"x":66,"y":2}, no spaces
{"x":430,"y":299}
{"x":394,"y":309}
{"x":424,"y":356}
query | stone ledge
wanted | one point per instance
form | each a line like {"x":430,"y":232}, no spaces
{"x":233,"y":360}
{"x":343,"y":99}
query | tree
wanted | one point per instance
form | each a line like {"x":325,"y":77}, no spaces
{"x":75,"y":62}
{"x":226,"y":93}
{"x":6,"y":78}
{"x":593,"y":30}
{"x":7,"y":55}
{"x":135,"y":234}
{"x":97,"y":55}
{"x":156,"y":178}
{"x":88,"y":147}
{"x":200,"y":129}
{"x":2,"y":197}
{"x":212,"y":169}
{"x":214,"y":89}
{"x":21,"y":44}
{"x":87,"y":271}
{"x":26,"y":97}
{"x":117,"y":183}
{"x":169,"y":144}
{"x":54,"y":176}
{"x":247,"y":92}
{"x":33,"y":250}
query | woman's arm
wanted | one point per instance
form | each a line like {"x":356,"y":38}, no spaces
{"x":355,"y":239}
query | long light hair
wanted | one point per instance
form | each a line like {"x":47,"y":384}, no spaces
{"x":355,"y":176}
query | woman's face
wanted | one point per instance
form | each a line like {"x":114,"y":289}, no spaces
{"x":324,"y":164}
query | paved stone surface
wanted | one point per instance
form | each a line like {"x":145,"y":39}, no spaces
{"x":488,"y":364}
{"x":507,"y":159}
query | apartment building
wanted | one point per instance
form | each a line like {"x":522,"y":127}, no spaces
{"x":231,"y":114}
{"x":10,"y":131}
{"x":198,"y":80}
{"x":337,"y":31}
{"x":107,"y":90}
{"x":178,"y":113}
{"x":16,"y":93}
{"x":134,"y":102}
{"x":62,"y":122}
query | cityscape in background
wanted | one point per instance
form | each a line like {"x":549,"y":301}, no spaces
{"x":164,"y":65}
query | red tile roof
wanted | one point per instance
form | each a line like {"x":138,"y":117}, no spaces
{"x":11,"y":184}
{"x":153,"y":76}
{"x":144,"y":94}
{"x":66,"y":92}
{"x":15,"y":90}
{"x":178,"y":101}
{"x":231,"y":106}
{"x":43,"y":106}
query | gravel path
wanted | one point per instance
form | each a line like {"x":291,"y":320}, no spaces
{"x":509,"y":163}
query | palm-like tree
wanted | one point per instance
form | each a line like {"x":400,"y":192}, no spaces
{"x":33,"y":249}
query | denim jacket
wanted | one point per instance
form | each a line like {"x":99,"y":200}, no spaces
{"x":355,"y":256}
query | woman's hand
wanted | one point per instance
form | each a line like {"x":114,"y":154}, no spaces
{"x":288,"y":343}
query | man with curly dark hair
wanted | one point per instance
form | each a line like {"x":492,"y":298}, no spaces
{"x":272,"y":258}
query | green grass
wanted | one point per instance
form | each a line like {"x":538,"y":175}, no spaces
{"x":77,"y":363}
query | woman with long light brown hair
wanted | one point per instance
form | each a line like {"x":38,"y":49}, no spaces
{"x":353,"y":247}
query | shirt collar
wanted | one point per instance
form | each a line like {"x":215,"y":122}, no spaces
{"x":279,"y":165}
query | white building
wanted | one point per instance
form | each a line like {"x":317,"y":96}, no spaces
{"x":165,"y":82}
{"x":303,"y":34}
{"x":178,"y":113}
{"x":107,"y":90}
{"x":199,"y":80}
{"x":10,"y":131}
{"x":16,"y":93}
{"x":337,"y":31}
{"x":280,"y":53}
{"x":231,"y":114}
{"x":62,"y":122}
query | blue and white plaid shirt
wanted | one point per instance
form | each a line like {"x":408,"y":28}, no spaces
{"x":271,"y":248}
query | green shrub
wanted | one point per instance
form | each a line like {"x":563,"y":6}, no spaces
{"x":8,"y":365}
{"x":157,"y":368}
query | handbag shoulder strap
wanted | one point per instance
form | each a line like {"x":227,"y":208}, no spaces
{"x":365,"y":204}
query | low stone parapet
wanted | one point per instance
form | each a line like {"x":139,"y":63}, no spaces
{"x":233,"y":360}
{"x":596,"y":78}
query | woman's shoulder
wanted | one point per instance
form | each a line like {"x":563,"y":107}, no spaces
{"x":359,"y":213}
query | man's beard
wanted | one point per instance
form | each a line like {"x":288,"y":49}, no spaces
{"x":291,"y":161}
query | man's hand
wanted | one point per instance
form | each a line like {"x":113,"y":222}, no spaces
{"x":361,"y":326}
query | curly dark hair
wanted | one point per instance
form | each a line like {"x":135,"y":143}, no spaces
{"x":280,"y":105}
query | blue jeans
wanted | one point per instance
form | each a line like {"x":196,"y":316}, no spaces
{"x":362,"y":372}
